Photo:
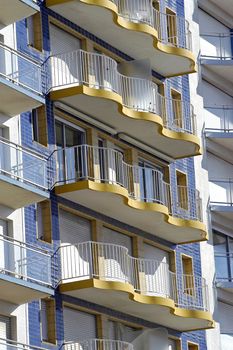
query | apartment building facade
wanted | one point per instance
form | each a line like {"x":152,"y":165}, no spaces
{"x":111,"y":209}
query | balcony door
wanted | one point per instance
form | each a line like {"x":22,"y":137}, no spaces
{"x":71,"y":156}
{"x":151,"y":182}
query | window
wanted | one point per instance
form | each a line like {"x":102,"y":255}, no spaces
{"x":192,"y":346}
{"x":171,"y":27}
{"x":173,"y":344}
{"x":156,"y":4}
{"x":150,"y":182}
{"x":223,"y":249}
{"x":48,"y":326}
{"x":72,"y":160}
{"x":39,"y":126}
{"x":177,"y":114}
{"x":182,"y":190}
{"x":43,"y":221}
{"x":188,"y":278}
{"x":34,"y":31}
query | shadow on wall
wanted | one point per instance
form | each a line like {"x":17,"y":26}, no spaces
{"x":151,"y":339}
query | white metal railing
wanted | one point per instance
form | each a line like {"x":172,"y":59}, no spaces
{"x":106,"y":165}
{"x":221,"y":191}
{"x":97,"y":344}
{"x":110,"y":262}
{"x":220,"y":118}
{"x":23,"y":164}
{"x":20,"y":69}
{"x":7,"y":344}
{"x":23,"y":261}
{"x":100,"y":72}
{"x":217,"y":46}
{"x":224,"y":266}
{"x":172,"y":29}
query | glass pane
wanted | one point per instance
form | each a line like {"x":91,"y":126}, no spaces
{"x":73,"y":137}
{"x":59,"y":136}
{"x":221,"y":260}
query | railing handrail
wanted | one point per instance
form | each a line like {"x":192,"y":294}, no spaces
{"x":23,"y":148}
{"x":21,"y":54}
{"x":225,"y":180}
{"x":167,"y":283}
{"x":25,"y":245}
{"x":15,"y":343}
{"x":227,"y":254}
{"x":119,"y":344}
{"x":217,"y":35}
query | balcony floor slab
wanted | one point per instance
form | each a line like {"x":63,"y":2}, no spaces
{"x":106,"y":107}
{"x":22,"y":9}
{"x":17,"y":99}
{"x":114,"y":201}
{"x":120,"y":296}
{"x":17,"y":194}
{"x":18,"y":291}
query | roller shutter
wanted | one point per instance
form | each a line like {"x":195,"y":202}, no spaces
{"x":157,"y":277}
{"x":73,"y":229}
{"x":111,"y":236}
{"x":61,"y":41}
{"x":115,"y":264}
{"x":78,"y":325}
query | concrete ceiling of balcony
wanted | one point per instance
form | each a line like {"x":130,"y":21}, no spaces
{"x":19,"y":9}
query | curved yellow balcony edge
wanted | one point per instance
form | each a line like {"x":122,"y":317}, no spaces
{"x":127,"y":112}
{"x":140,"y":27}
{"x":116,"y":189}
{"x":143,"y":299}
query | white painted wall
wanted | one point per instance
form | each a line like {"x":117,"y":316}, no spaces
{"x":218,"y":107}
{"x":15,"y":217}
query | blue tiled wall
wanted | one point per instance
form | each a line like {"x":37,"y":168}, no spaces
{"x":187,"y":165}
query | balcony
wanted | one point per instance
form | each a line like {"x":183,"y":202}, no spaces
{"x":99,"y":179}
{"x":22,"y":9}
{"x":92,"y":84}
{"x":20,"y":81}
{"x":216,"y":54}
{"x":25,"y":272}
{"x":221,"y":121}
{"x":137,"y":29}
{"x":144,"y":288}
{"x":221,"y":197}
{"x":24,"y":176}
{"x":96,"y":344}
